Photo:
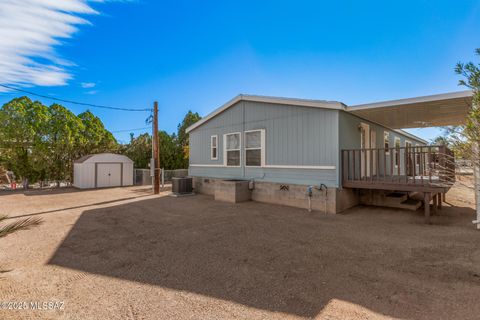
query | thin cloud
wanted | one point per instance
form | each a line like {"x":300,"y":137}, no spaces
{"x":87,"y":85}
{"x":91,"y":92}
{"x":29,"y":32}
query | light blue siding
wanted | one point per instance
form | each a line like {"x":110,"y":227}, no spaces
{"x":294,"y":136}
{"x":349,"y":137}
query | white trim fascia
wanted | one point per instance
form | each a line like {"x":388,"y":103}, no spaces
{"x":335,"y":105}
{"x":206,"y":165}
{"x":274,"y":166}
{"x":399,"y":102}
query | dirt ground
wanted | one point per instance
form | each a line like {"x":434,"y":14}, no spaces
{"x":125,"y":254}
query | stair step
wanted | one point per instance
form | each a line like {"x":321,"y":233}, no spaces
{"x":397,"y":196}
{"x":411,"y":204}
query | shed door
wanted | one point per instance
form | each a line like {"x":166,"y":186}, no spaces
{"x":109,"y":175}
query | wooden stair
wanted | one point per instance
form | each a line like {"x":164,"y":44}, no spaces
{"x":399,"y":200}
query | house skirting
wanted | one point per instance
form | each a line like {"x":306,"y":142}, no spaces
{"x":334,"y":200}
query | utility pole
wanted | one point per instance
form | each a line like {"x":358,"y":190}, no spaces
{"x":156,"y":151}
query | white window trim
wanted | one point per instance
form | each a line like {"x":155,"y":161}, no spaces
{"x":386,"y":136}
{"x":262,"y":148}
{"x":225,"y":149}
{"x":397,"y":151}
{"x":211,"y":147}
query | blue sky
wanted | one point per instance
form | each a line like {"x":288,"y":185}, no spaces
{"x":196,"y":55}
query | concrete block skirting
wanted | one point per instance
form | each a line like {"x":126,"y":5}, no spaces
{"x":334,"y":200}
{"x":232,"y":191}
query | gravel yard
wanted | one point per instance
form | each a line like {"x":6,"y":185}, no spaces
{"x":123,"y":253}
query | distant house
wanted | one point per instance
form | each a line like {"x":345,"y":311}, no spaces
{"x":286,"y":145}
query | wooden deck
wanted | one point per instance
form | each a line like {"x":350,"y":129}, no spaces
{"x":426,"y":169}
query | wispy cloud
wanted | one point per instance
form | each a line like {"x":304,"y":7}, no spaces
{"x":91,"y":92}
{"x":29,"y":32}
{"x":87,"y":85}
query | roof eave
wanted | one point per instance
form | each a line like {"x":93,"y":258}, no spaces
{"x":335,"y":105}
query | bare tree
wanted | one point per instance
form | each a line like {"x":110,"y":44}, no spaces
{"x":467,"y":136}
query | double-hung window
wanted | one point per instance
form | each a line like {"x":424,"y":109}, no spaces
{"x":232,"y":146}
{"x":386,"y":142}
{"x":214,"y":147}
{"x":397,"y":152}
{"x":255,"y":148}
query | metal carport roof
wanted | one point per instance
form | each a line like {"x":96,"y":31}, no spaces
{"x":428,"y":111}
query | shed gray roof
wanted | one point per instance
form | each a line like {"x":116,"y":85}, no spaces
{"x":84,"y":158}
{"x":104,"y":157}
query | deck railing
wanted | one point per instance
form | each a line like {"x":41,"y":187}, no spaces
{"x":420,"y":165}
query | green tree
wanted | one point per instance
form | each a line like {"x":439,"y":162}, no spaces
{"x":170,"y":152}
{"x":183,"y":137}
{"x":64,"y":138}
{"x":39,"y":142}
{"x":139,"y":150}
{"x":467,"y":137}
{"x":23,"y":138}
{"x":96,"y":139}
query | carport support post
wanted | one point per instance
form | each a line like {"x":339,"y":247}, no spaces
{"x":435,"y":202}
{"x":156,"y":155}
{"x":476,"y":172}
{"x":426,"y":200}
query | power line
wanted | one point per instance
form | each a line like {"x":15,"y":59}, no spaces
{"x":74,"y":102}
{"x":130,"y":130}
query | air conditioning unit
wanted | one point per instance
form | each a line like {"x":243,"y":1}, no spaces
{"x":182,"y":185}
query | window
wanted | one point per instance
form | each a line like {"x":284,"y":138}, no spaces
{"x":386,"y":142}
{"x":254,"y":148}
{"x":397,"y":152}
{"x":417,"y":154}
{"x":214,"y":147}
{"x":232,"y":149}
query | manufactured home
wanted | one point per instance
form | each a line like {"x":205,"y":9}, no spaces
{"x":325,"y":154}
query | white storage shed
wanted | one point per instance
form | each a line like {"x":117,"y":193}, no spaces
{"x":102,"y":170}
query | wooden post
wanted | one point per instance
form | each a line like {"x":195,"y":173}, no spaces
{"x":439,"y":200}
{"x":354,"y":166}
{"x":156,"y":151}
{"x":426,"y":200}
{"x":434,"y":204}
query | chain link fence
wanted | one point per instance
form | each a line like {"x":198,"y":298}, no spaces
{"x":143,"y":176}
